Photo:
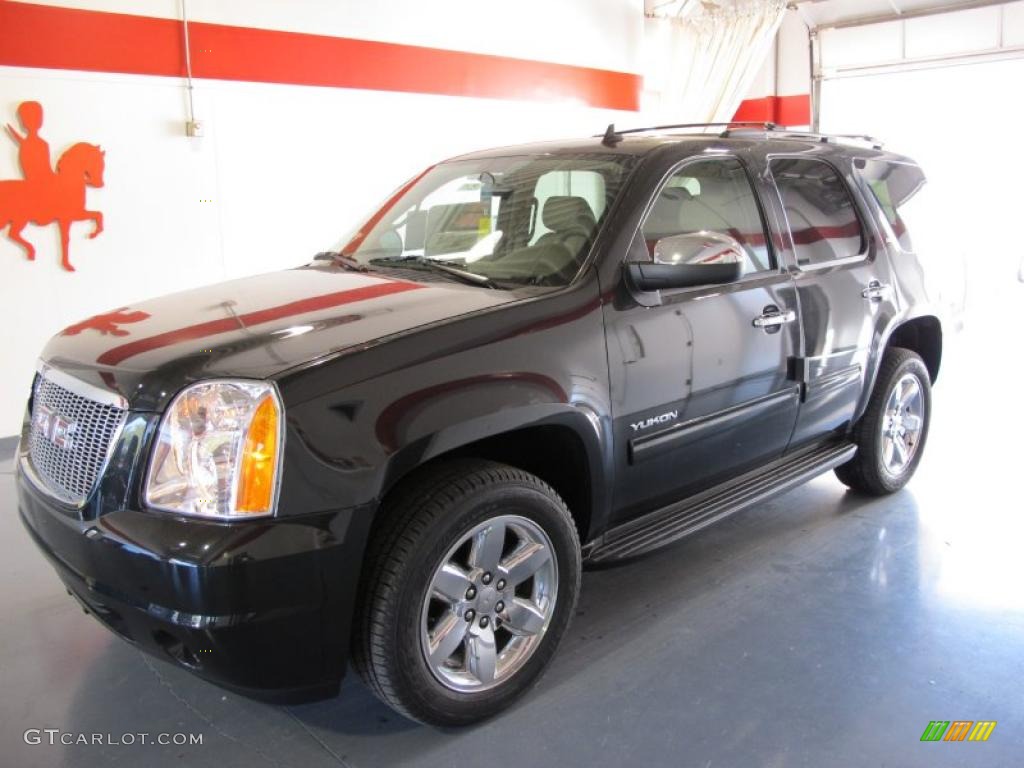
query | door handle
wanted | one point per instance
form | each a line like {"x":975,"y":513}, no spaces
{"x":876,"y":291}
{"x":772,"y":317}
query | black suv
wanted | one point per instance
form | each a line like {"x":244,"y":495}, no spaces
{"x":527,"y":360}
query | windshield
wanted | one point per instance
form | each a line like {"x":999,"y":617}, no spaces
{"x":528,"y":219}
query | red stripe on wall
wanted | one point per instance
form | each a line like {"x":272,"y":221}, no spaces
{"x":62,"y":38}
{"x":121,"y":353}
{"x":781,"y":110}
{"x":65,"y":38}
{"x":357,"y":239}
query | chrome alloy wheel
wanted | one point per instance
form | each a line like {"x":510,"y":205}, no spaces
{"x":489,"y":604}
{"x":902,"y":424}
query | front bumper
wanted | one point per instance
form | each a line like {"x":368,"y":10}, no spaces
{"x":261,"y":607}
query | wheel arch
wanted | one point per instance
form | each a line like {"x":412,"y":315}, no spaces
{"x":922,"y":335}
{"x":564,"y":449}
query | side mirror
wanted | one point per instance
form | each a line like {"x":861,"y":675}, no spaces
{"x":684,"y":261}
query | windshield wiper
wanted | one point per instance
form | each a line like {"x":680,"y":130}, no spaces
{"x":438,"y":266}
{"x":343,"y":260}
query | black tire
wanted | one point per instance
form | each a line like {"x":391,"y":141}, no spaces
{"x":423,"y":520}
{"x":866,"y":471}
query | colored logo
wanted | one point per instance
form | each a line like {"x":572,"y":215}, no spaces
{"x":958,"y":730}
{"x":45,"y":196}
{"x":54,"y":427}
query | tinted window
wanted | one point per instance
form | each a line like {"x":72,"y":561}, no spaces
{"x":895,"y":186}
{"x":586,"y":185}
{"x":522,"y":219}
{"x":712,"y":195}
{"x":821,"y":214}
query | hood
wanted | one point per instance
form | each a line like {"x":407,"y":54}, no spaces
{"x":254,"y":327}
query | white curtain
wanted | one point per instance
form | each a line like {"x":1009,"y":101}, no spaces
{"x":699,"y":68}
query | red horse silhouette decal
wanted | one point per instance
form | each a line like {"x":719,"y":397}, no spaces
{"x":42,"y":196}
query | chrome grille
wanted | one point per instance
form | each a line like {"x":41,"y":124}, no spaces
{"x":70,"y":436}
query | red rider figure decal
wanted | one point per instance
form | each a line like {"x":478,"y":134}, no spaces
{"x":42,"y":196}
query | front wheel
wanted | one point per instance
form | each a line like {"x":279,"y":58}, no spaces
{"x":470,"y":583}
{"x":891,"y":434}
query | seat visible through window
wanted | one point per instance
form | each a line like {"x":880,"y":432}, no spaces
{"x":570,"y":221}
{"x":712,"y":196}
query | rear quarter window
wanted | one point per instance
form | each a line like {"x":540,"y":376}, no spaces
{"x":896,"y":188}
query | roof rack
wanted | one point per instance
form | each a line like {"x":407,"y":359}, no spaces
{"x":611,"y":136}
{"x":824,"y":138}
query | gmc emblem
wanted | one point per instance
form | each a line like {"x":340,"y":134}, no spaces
{"x":54,"y":427}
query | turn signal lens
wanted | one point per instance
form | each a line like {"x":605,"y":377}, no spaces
{"x":259,"y":461}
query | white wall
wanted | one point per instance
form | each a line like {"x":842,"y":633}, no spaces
{"x":283,"y":171}
{"x":786,"y":71}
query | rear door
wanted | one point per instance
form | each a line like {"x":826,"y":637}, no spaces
{"x":844,"y":286}
{"x":700,"y":392}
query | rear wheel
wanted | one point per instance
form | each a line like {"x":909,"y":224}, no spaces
{"x":470,"y":584}
{"x":891,"y":434}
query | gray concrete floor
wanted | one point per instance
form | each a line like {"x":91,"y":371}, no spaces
{"x":821,"y":629}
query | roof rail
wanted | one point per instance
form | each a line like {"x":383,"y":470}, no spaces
{"x":611,"y":136}
{"x":875,"y":143}
{"x":824,"y":138}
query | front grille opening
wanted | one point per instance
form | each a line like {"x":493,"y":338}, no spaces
{"x":69,"y":439}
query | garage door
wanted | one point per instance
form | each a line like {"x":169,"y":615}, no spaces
{"x":936,"y":89}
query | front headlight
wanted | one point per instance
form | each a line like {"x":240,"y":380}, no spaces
{"x":218,"y":450}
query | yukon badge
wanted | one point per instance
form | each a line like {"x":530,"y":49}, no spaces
{"x":655,"y":420}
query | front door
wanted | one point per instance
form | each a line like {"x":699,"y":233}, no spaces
{"x":699,"y":376}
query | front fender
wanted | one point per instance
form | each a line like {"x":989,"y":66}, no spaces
{"x":584,"y":423}
{"x":353,"y":450}
{"x":359,"y":423}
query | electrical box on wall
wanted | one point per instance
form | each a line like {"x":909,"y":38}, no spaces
{"x":194,"y":129}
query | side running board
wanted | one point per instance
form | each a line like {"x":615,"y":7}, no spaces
{"x":669,"y":524}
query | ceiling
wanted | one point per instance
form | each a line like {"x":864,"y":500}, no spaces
{"x":822,"y":13}
{"x":829,"y":13}
{"x":692,"y":8}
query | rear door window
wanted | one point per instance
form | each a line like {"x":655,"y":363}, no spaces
{"x":822,"y":217}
